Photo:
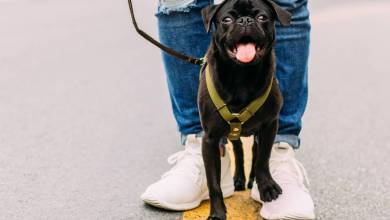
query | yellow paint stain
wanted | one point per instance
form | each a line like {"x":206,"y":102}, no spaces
{"x":240,"y":206}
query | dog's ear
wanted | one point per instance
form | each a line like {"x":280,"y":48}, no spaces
{"x":283,"y":16}
{"x":208,"y":15}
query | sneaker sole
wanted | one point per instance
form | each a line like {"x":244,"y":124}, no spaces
{"x":227,"y":192}
{"x":286,"y":218}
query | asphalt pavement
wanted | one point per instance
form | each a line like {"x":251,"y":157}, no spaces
{"x":86,"y":124}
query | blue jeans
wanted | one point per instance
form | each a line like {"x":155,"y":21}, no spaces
{"x":181,"y":28}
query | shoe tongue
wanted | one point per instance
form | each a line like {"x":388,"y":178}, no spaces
{"x":193,"y":143}
{"x":283,"y":146}
{"x":195,"y":148}
{"x":246,"y":52}
{"x":282,"y":150}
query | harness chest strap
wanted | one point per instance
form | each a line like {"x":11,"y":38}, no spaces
{"x":235,"y":120}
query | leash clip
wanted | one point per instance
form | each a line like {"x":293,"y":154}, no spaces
{"x":235,"y":131}
{"x":235,"y":127}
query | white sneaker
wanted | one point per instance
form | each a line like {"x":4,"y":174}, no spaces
{"x":184,"y":187}
{"x":295,"y":201}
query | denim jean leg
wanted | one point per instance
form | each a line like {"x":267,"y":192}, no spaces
{"x":292,"y":52}
{"x":181,"y":28}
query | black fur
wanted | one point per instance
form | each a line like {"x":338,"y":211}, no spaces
{"x":239,"y":173}
{"x":238,"y":84}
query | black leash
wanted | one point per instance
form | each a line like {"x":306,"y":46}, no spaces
{"x":168,"y":50}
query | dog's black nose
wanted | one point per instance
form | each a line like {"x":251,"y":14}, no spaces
{"x":245,"y":21}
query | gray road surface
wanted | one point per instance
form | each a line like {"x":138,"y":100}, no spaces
{"x":80,"y":137}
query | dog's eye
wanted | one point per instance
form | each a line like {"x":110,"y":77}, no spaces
{"x":262,"y":18}
{"x":227,"y":20}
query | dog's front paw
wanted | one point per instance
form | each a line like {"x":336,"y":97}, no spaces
{"x":239,"y":184}
{"x":269,"y":189}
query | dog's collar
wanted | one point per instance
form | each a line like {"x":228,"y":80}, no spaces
{"x":235,"y":120}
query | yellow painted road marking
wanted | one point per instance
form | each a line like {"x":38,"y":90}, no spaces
{"x":240,"y":206}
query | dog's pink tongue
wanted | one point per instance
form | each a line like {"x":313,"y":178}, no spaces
{"x":246,"y":52}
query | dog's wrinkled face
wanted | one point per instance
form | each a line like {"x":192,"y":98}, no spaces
{"x":245,"y":29}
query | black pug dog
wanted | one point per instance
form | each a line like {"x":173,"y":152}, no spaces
{"x":241,"y":62}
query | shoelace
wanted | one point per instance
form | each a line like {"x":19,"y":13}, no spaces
{"x":186,"y":162}
{"x":285,"y":176}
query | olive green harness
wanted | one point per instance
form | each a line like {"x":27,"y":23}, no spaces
{"x":235,"y":120}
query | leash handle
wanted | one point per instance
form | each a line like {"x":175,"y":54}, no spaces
{"x":166,"y":49}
